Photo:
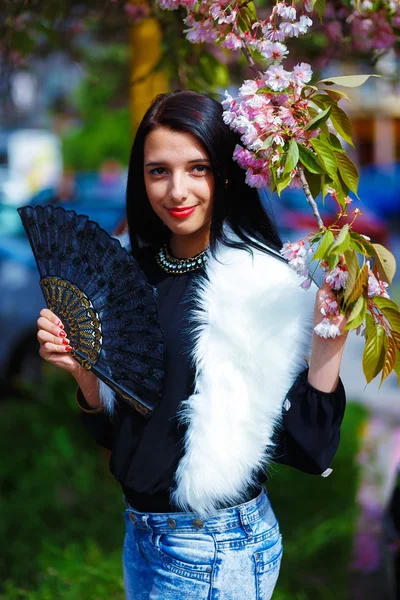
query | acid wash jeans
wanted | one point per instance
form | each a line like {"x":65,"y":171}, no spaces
{"x":234,"y":554}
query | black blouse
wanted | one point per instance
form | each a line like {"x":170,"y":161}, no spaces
{"x":145,"y":453}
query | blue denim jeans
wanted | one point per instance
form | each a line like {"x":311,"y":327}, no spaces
{"x":234,"y":554}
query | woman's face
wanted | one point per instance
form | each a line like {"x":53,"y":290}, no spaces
{"x":179,"y":182}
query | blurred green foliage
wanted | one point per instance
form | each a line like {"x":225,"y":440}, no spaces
{"x":103,"y":127}
{"x":61,"y":511}
{"x":318,"y":517}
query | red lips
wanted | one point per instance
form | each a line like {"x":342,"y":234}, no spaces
{"x":181,"y":212}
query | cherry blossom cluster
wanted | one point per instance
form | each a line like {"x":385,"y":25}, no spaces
{"x":374,"y":25}
{"x":297,"y":254}
{"x":268,"y":120}
{"x":269,"y":110}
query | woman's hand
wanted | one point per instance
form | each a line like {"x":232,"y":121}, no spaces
{"x":325,"y":299}
{"x":54,"y":345}
{"x":326,"y":355}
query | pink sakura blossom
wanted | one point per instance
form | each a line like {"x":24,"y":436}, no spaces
{"x":137,"y":12}
{"x":295,"y":253}
{"x":301,"y":74}
{"x":285,"y":12}
{"x":277,"y":78}
{"x":337,"y":278}
{"x":245,"y":158}
{"x":272,"y":50}
{"x":306,"y":283}
{"x":248,"y":88}
{"x":327,"y":329}
{"x":201,"y":32}
{"x":232,"y":42}
{"x":286,"y":115}
{"x":258,"y":180}
{"x":288,"y":29}
{"x":304,"y":24}
{"x":376,"y":287}
{"x":329,"y":308}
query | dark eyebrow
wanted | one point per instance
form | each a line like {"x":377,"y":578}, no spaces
{"x":196,"y":160}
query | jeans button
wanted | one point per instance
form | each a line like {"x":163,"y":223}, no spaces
{"x":198,"y":523}
{"x":208,"y":570}
{"x":171,"y":523}
{"x":132,"y":518}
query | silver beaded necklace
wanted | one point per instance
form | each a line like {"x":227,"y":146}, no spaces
{"x":178,"y":266}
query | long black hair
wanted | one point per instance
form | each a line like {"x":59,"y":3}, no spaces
{"x":235,"y":203}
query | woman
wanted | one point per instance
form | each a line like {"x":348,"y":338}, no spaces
{"x":238,"y":392}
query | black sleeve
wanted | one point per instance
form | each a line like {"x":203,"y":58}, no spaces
{"x":310,"y":432}
{"x":97,"y":424}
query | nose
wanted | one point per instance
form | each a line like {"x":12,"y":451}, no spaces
{"x":178,"y":188}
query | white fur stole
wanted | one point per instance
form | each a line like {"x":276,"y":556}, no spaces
{"x":254,"y":325}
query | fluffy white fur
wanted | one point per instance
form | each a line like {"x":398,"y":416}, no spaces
{"x":107,"y":397}
{"x":254,"y":325}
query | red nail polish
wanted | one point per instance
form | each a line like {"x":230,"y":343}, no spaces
{"x":62,"y":333}
{"x":65,"y":341}
{"x":68,"y":348}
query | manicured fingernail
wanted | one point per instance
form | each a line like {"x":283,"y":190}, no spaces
{"x":62,"y":334}
{"x":65,"y":341}
{"x":59,"y":324}
{"x":68,"y":348}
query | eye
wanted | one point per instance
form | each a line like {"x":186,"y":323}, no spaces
{"x":157,"y":171}
{"x":201,"y":169}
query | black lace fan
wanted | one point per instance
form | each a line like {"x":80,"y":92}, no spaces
{"x":103,"y":299}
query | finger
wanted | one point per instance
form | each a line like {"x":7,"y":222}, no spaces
{"x":48,"y":314}
{"x":50,"y":348}
{"x":44,"y":336}
{"x":47,"y":325}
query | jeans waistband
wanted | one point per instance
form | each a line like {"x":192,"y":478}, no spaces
{"x":222,"y":520}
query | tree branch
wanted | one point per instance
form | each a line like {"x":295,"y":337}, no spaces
{"x":310,"y":198}
{"x":253,"y":65}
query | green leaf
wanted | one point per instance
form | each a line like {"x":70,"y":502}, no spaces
{"x":397,"y":366}
{"x":393,"y":316}
{"x":309,"y":160}
{"x":332,"y":260}
{"x":282,"y":182}
{"x":321,"y":117}
{"x":324,"y":245}
{"x":361,"y":286}
{"x":342,"y":124}
{"x":326,"y":155}
{"x":369,"y":324}
{"x":342,"y":241}
{"x":314,"y":183}
{"x":389,"y":360}
{"x":366,"y":247}
{"x":292,"y":157}
{"x":353,"y":270}
{"x":332,"y":141}
{"x":382,"y":303}
{"x":348,"y":171}
{"x":320,"y":7}
{"x":386,"y":263}
{"x":267,"y":142}
{"x":336,"y":95}
{"x":347,"y":80}
{"x":357,"y":314}
{"x":374,"y":353}
{"x":321,"y":100}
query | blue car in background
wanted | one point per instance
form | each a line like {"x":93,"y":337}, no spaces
{"x":21,"y":298}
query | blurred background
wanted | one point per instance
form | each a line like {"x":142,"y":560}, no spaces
{"x":75,"y":79}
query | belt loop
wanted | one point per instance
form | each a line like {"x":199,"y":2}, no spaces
{"x":145,"y":523}
{"x":244,"y":520}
